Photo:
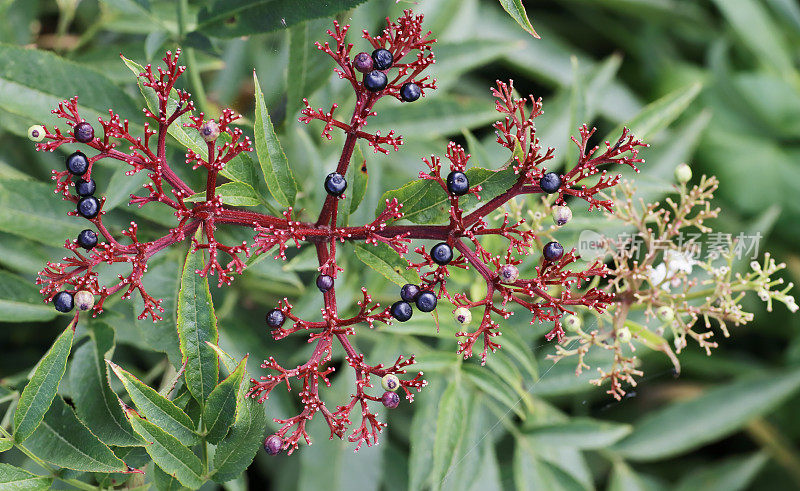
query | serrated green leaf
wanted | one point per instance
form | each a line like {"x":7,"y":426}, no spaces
{"x":387,"y":262}
{"x":233,"y":194}
{"x":517,"y":12}
{"x":582,"y":433}
{"x":223,"y":18}
{"x":220,"y":410}
{"x":20,"y":300}
{"x":41,"y":390}
{"x":236,"y":451}
{"x":156,"y":408}
{"x":714,"y":414}
{"x":30,"y":211}
{"x":14,"y":478}
{"x":424,"y":201}
{"x":308,"y":68}
{"x":95,"y":402}
{"x":63,"y":440}
{"x":197,"y":324}
{"x":164,"y":481}
{"x":168,"y":452}
{"x":280,"y":179}
{"x":452,"y":418}
{"x":225,"y":358}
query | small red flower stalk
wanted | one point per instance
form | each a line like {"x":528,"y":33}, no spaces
{"x":395,"y":69}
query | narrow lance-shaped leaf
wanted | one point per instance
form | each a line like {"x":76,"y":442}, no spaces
{"x":15,"y":478}
{"x":197,"y":324}
{"x":360,"y":179}
{"x":517,"y":12}
{"x":387,"y":262}
{"x":280,"y":179}
{"x":42,"y":388}
{"x":20,"y":300}
{"x":236,"y":451}
{"x":155,"y":407}
{"x":308,"y":68}
{"x":168,"y":452}
{"x":232,"y":193}
{"x":453,"y":415}
{"x":222,"y":405}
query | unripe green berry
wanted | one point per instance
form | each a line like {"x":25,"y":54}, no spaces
{"x":562,"y":215}
{"x":624,"y":335}
{"x":84,"y":300}
{"x":36,"y":133}
{"x":572,"y":322}
{"x":683,"y":173}
{"x":463,"y":316}
{"x":390,"y":382}
{"x":665,"y":314}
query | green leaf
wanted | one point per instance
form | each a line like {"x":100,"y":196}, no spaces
{"x":220,"y":410}
{"x":157,"y":408}
{"x":63,"y":440}
{"x":224,"y":18}
{"x":20,"y":300}
{"x":531,"y":472}
{"x":517,"y":12}
{"x":582,"y":433}
{"x":168,"y":452}
{"x":164,"y":481}
{"x":14,"y":478}
{"x":659,"y":114}
{"x":280,"y":179}
{"x":197,"y":324}
{"x":236,"y":451}
{"x":733,"y":474}
{"x":494,"y":386}
{"x":360,"y":178}
{"x":225,"y":358}
{"x":42,"y":388}
{"x":623,"y":478}
{"x":424,"y":201}
{"x":32,"y":82}
{"x":233,"y":194}
{"x":441,"y":115}
{"x":387,"y":262}
{"x":95,"y":402}
{"x":721,"y":411}
{"x":423,"y":425}
{"x":308,"y":68}
{"x":31,"y":211}
{"x":450,"y":423}
{"x":5,"y":444}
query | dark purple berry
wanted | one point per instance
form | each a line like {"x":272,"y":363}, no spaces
{"x":363,"y":62}
{"x":382,"y":59}
{"x":390,"y":399}
{"x":457,"y":183}
{"x":87,"y":239}
{"x":85,"y":188}
{"x":375,"y":81}
{"x":275,"y":318}
{"x":324,"y":282}
{"x":553,"y":251}
{"x":442,"y":253}
{"x":273,"y":444}
{"x":77,"y":164}
{"x":335,"y":184}
{"x":88,"y":207}
{"x":426,"y":301}
{"x":410,"y":92}
{"x":401,"y":310}
{"x":63,"y":301}
{"x":83,"y":132}
{"x":550,"y":182}
{"x":409,"y":292}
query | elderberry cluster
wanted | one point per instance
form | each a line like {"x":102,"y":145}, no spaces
{"x":425,"y":300}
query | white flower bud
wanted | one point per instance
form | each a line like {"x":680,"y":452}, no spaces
{"x":683,"y":173}
{"x":665,"y":314}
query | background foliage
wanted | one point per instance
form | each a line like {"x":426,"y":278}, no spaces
{"x":728,"y":421}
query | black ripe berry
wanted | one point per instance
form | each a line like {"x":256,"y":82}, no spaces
{"x":409,"y":292}
{"x":410,"y":92}
{"x":442,"y":253}
{"x":426,"y":301}
{"x":77,"y":164}
{"x":88,"y":207}
{"x":550,"y":182}
{"x":273,"y":444}
{"x":553,"y":251}
{"x":401,"y":310}
{"x":363,"y":62}
{"x":87,"y":239}
{"x":390,"y":399}
{"x":83,"y":132}
{"x":85,"y":188}
{"x":457,"y":183}
{"x":324,"y":282}
{"x":375,"y":81}
{"x":275,"y":318}
{"x":382,"y":59}
{"x":335,"y":184}
{"x":63,"y":301}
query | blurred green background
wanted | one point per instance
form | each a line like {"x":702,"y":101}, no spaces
{"x":600,"y":62}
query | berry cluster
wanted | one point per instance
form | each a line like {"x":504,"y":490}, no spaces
{"x":399,"y":57}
